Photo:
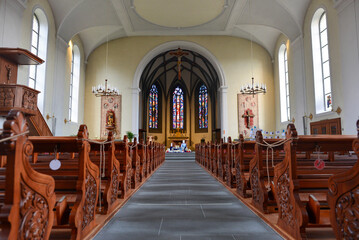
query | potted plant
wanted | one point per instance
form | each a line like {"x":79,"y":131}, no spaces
{"x":130,"y":135}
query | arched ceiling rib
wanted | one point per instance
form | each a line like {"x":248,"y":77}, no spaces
{"x":93,"y":19}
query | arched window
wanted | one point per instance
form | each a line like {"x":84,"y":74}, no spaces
{"x":74,"y":84}
{"x":178,"y":108}
{"x":321,"y":63}
{"x":284,"y":83}
{"x":153,"y":107}
{"x":39,"y":38}
{"x":203,"y":107}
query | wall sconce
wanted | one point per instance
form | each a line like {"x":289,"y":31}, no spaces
{"x":66,"y":121}
{"x":48,"y":116}
{"x":310,"y":116}
{"x":338,"y":111}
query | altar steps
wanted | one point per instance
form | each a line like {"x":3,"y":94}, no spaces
{"x":180,"y":156}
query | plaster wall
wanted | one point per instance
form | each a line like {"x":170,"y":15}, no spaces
{"x":232,"y":53}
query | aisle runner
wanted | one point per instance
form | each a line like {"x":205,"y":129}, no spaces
{"x":182,"y":201}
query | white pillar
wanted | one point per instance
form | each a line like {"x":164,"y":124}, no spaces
{"x":223,"y":110}
{"x":135,"y":109}
{"x":60,"y":104}
{"x":299,"y":106}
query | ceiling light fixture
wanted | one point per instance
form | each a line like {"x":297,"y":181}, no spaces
{"x":253,"y":88}
{"x":105,"y":90}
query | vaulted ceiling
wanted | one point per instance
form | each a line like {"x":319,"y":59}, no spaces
{"x":93,"y":20}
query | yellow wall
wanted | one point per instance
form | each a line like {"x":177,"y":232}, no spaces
{"x":232,"y":53}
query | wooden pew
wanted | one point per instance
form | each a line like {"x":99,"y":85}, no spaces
{"x":245,"y":154}
{"x":233,"y":154}
{"x":295,"y":211}
{"x":123,"y":156}
{"x":136,"y":164}
{"x":142,"y":152}
{"x":110,"y":182}
{"x":83,"y":180}
{"x":343,"y":198}
{"x":262,"y":197}
{"x":26,"y":209}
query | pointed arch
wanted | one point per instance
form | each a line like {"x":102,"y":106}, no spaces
{"x":222,"y":90}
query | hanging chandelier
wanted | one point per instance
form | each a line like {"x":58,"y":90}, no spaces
{"x":106,"y":90}
{"x":253,"y":88}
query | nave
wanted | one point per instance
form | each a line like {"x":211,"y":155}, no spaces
{"x":183,"y":201}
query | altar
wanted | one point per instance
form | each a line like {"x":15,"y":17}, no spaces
{"x":177,"y":138}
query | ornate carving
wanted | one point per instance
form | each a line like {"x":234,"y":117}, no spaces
{"x":115,"y":184}
{"x":29,"y":100}
{"x":285,"y":206}
{"x":90,"y":200}
{"x":9,"y":97}
{"x":347,"y":214}
{"x":2,"y":97}
{"x":255,"y":184}
{"x":238,"y":178}
{"x":34,"y":212}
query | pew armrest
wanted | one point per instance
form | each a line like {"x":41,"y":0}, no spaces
{"x":313,"y":209}
{"x":62,"y":211}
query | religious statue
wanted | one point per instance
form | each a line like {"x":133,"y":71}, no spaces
{"x":248,"y":118}
{"x":8,"y":75}
{"x":183,"y":145}
{"x":110,"y":119}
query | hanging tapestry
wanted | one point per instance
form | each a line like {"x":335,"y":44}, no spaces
{"x":110,"y":115}
{"x":247,"y":113}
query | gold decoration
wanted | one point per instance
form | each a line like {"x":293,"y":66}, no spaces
{"x":338,"y":111}
{"x":310,"y":116}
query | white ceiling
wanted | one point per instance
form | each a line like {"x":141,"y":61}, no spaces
{"x":94,"y":19}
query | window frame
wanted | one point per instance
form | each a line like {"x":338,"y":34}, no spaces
{"x":319,"y":78}
{"x":159,"y":123}
{"x":196,"y":98}
{"x":184,"y":107}
{"x":284,"y":85}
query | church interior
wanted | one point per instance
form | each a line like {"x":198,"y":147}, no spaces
{"x":167,"y":119}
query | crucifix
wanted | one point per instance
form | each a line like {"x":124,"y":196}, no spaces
{"x":179,"y":53}
{"x":8,"y":75}
{"x":248,"y":116}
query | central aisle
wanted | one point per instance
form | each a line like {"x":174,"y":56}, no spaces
{"x":182,"y":201}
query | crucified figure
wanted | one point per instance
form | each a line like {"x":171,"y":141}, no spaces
{"x":179,"y":53}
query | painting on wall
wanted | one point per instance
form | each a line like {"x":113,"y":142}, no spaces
{"x":247,"y":113}
{"x":110,"y":115}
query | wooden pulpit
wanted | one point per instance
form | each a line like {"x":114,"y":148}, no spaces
{"x":13,"y":95}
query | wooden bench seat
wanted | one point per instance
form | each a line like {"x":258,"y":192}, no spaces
{"x":20,"y":184}
{"x":294,"y":215}
{"x":83,"y":180}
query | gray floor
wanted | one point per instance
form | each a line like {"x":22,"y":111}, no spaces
{"x":182,"y":201}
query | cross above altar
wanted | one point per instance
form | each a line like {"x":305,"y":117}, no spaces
{"x":179,"y":53}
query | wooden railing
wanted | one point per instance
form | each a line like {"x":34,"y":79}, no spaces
{"x":38,"y":125}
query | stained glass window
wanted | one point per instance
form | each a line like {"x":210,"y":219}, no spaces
{"x":153,"y":107}
{"x":178,"y":109}
{"x":203,"y":107}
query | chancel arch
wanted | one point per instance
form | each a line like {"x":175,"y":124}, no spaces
{"x":216,"y":68}
{"x":191,"y":106}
